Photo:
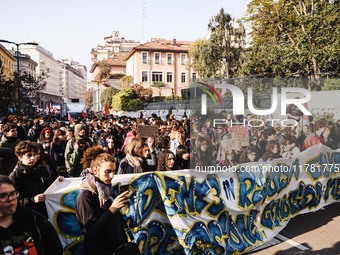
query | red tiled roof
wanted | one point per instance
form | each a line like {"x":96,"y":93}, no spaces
{"x":116,"y":60}
{"x":162,"y":45}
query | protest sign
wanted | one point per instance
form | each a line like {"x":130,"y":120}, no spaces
{"x":144,"y":131}
{"x":231,"y":144}
{"x":240,"y":133}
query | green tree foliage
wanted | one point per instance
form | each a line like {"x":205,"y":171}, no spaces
{"x":127,"y":100}
{"x":126,"y":80}
{"x":7,"y":102}
{"x":198,"y":53}
{"x":145,"y":94}
{"x":220,"y":55}
{"x":331,"y":84}
{"x":106,"y":96}
{"x":105,"y":71}
{"x":294,"y":37}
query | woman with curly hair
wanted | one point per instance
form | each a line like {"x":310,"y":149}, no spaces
{"x":166,"y":161}
{"x":249,"y":155}
{"x":272,"y":152}
{"x":97,"y":209}
{"x":89,"y":155}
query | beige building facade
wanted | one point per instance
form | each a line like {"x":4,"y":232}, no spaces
{"x":162,"y":65}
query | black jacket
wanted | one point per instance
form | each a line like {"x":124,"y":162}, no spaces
{"x":32,"y":226}
{"x":31,"y":182}
{"x":103,"y":231}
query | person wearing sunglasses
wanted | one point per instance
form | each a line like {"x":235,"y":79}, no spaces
{"x":22,"y":230}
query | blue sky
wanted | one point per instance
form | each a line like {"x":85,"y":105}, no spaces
{"x":71,"y":28}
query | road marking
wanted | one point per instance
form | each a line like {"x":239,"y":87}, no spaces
{"x":271,"y":243}
{"x":292,"y":242}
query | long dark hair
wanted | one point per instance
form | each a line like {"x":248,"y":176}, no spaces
{"x":180,"y":162}
{"x":162,"y":158}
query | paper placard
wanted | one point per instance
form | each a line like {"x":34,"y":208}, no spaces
{"x":145,"y":131}
{"x":240,"y":133}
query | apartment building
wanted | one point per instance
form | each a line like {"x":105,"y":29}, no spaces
{"x":72,"y":80}
{"x":113,"y":45}
{"x":49,"y":65}
{"x":26,"y":63}
{"x":112,"y":51}
{"x":7,"y":62}
{"x":162,"y":65}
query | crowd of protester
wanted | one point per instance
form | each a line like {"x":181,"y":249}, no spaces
{"x":35,"y":152}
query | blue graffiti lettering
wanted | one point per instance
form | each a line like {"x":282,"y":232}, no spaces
{"x":229,"y":189}
{"x":278,"y":211}
{"x":332,"y":189}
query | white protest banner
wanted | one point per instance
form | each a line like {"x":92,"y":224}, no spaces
{"x":231,"y":211}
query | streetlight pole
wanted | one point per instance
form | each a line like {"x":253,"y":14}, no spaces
{"x":18,"y":68}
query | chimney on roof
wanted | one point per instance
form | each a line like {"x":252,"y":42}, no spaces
{"x":173,"y":41}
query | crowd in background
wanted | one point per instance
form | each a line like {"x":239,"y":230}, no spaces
{"x":36,"y":152}
{"x":180,"y":143}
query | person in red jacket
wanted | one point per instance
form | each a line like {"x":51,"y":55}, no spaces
{"x":317,"y":136}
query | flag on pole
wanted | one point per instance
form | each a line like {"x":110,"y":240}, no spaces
{"x":106,"y":110}
{"x":70,"y":119}
{"x":83,"y":114}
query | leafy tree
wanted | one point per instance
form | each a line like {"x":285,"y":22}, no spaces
{"x":332,"y":84}
{"x":89,"y":98}
{"x":106,"y":95}
{"x":126,"y":100}
{"x":105,"y":71}
{"x":220,"y":55}
{"x":126,"y":81}
{"x":198,"y":52}
{"x":144,"y":94}
{"x":29,"y":93}
{"x":7,"y":102}
{"x":135,"y":105}
{"x":294,"y":38}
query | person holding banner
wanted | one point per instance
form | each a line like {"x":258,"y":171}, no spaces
{"x":31,"y":178}
{"x":98,"y":212}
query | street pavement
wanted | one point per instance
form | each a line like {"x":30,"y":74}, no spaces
{"x":315,"y":233}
